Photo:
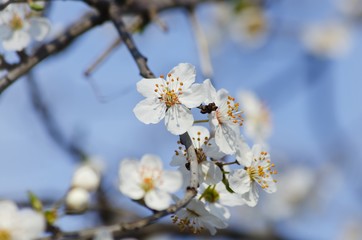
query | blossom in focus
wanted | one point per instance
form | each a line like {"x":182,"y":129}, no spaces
{"x":18,"y":224}
{"x":147,"y":180}
{"x":257,"y":123}
{"x":170,"y":99}
{"x":226,"y":120}
{"x":258,"y":170}
{"x":208,"y":171}
{"x":195,"y":217}
{"x":18,"y":26}
{"x":329,"y":40}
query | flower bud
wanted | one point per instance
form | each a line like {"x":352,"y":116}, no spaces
{"x":86,"y":177}
{"x":77,"y":199}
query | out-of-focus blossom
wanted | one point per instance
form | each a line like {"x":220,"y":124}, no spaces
{"x":209,"y":172}
{"x":86,"y":177}
{"x":18,"y":224}
{"x":195,"y":217}
{"x":147,"y":179}
{"x":351,"y":8}
{"x":258,"y":170}
{"x":77,"y":199}
{"x":331,"y":39}
{"x":294,"y":187}
{"x":170,"y":99}
{"x":18,"y":26}
{"x":257,"y":122}
{"x":226,"y":120}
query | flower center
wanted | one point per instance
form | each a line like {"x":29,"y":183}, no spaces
{"x":261,"y":173}
{"x":186,"y":223}
{"x":211,"y":195}
{"x":169,"y":93}
{"x":5,"y":234}
{"x":201,"y":157}
{"x":148,"y":184}
{"x":16,"y":23}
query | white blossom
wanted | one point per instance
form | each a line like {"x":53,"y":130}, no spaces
{"x":170,"y":99}
{"x":257,"y":171}
{"x":331,"y":39}
{"x":77,"y":199}
{"x":208,"y":171}
{"x":257,"y":123}
{"x":195,"y":217}
{"x":18,"y":224}
{"x":18,"y":27}
{"x":225,"y":120}
{"x":147,"y":180}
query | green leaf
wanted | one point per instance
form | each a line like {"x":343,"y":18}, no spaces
{"x":35,"y":202}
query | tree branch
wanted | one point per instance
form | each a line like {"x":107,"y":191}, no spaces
{"x":58,"y":44}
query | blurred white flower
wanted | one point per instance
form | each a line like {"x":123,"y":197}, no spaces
{"x":195,"y":217}
{"x":86,"y":177}
{"x":18,"y":27}
{"x":18,"y":224}
{"x":226,"y":120}
{"x":170,"y":99}
{"x":77,"y":199}
{"x":146,"y":179}
{"x":351,"y":8}
{"x":249,"y":27}
{"x":294,"y":187}
{"x":257,"y":122}
{"x":331,"y":39}
{"x":209,"y":172}
{"x":257,"y":171}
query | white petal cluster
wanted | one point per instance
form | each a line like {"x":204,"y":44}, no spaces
{"x":146,"y":179}
{"x":196,"y":217}
{"x":18,"y":224}
{"x":170,"y":99}
{"x":18,"y":27}
{"x":205,"y":147}
{"x":258,"y":170}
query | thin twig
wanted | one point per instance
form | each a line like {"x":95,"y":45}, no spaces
{"x":202,"y":45}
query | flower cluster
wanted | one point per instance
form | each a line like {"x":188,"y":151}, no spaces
{"x":19,"y":25}
{"x":222,"y":184}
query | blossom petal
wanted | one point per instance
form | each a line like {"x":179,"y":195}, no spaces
{"x":18,"y":41}
{"x":199,"y":135}
{"x":194,"y":96}
{"x":227,"y":137}
{"x":210,"y":90}
{"x":239,"y":181}
{"x":171,"y":181}
{"x":212,"y":150}
{"x":39,"y":28}
{"x":157,"y":200}
{"x":178,"y":119}
{"x":251,"y":197}
{"x":178,"y":160}
{"x":212,"y":174}
{"x":151,"y":162}
{"x":185,"y":72}
{"x":131,"y":189}
{"x":5,"y":32}
{"x":150,"y":110}
{"x":30,"y":225}
{"x":147,"y":86}
{"x":243,"y":154}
